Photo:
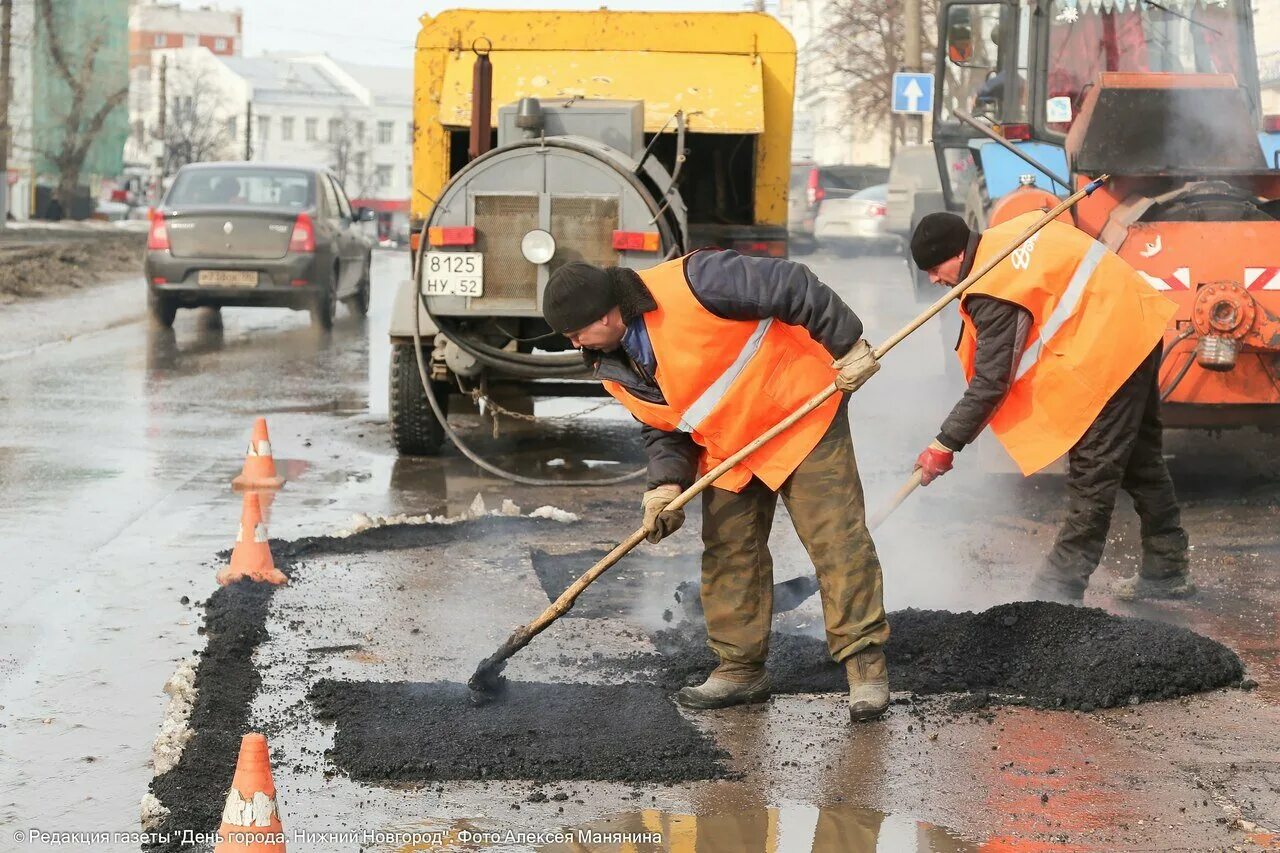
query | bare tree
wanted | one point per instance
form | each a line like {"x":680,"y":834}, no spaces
{"x":863,"y":47}
{"x":195,"y":127}
{"x":347,"y":147}
{"x":82,"y":122}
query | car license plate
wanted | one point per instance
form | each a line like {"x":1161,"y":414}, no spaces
{"x":453,"y":274}
{"x":227,"y":278}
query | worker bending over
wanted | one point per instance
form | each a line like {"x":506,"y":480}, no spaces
{"x":708,"y":352}
{"x":1061,"y":344}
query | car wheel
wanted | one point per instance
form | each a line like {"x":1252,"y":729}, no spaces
{"x":163,"y":309}
{"x":325,"y":305}
{"x":359,"y":303}
{"x":415,"y":430}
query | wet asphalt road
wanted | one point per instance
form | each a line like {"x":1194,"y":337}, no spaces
{"x":114,"y":497}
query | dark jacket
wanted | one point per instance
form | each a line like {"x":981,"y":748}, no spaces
{"x":1002,"y":329}
{"x":735,"y":287}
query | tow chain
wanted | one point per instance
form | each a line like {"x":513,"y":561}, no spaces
{"x":487,"y":406}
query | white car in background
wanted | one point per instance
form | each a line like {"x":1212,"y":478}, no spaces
{"x":855,"y":225}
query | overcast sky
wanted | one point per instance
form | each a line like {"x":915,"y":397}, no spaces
{"x":381,"y":32}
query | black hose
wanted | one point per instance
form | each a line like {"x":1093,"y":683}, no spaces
{"x":438,"y":411}
{"x":1165,"y":393}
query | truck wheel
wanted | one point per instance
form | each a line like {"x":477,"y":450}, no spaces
{"x":162,"y":309}
{"x":414,"y":427}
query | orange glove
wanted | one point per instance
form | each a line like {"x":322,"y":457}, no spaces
{"x":934,"y":461}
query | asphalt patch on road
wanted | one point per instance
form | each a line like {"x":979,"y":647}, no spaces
{"x":194,"y":791}
{"x":1029,"y":653}
{"x":397,"y":732}
{"x":627,"y":589}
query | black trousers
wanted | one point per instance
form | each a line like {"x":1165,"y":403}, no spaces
{"x":1122,"y":449}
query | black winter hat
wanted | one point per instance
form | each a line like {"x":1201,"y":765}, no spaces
{"x":577,"y":295}
{"x":939,"y":236}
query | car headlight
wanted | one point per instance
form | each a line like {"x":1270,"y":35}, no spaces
{"x":538,"y":247}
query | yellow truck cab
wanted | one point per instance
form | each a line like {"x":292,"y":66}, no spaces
{"x":540,"y":138}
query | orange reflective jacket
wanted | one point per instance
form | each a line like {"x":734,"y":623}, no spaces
{"x":727,"y":381}
{"x":1094,"y":320}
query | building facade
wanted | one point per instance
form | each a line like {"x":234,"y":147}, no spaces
{"x":156,"y":25}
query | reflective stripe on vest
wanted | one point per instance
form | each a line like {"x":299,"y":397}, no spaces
{"x":1065,"y":307}
{"x":707,"y":400}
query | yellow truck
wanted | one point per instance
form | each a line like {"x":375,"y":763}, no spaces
{"x":619,"y":138}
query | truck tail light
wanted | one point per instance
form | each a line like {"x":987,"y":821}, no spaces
{"x":158,"y":235}
{"x":637,"y":241}
{"x":415,"y":240}
{"x":303,"y":238}
{"x":813,"y":190}
{"x":457,"y":235}
{"x":1016,"y":132}
{"x":762,"y":248}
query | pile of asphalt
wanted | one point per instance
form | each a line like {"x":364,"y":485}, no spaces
{"x":194,"y":791}
{"x":398,"y":732}
{"x":1030,"y":652}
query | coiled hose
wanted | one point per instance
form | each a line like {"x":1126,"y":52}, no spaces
{"x":522,"y":367}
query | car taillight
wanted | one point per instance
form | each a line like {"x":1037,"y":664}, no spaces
{"x":814,"y":191}
{"x":457,"y":235}
{"x":875,"y":209}
{"x":303,"y":238}
{"x":1016,"y":132}
{"x":637,"y":241}
{"x":762,"y":248}
{"x":158,"y":235}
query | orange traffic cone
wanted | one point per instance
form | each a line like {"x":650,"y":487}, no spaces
{"x":251,"y":818}
{"x":259,"y":467}
{"x":251,"y":558}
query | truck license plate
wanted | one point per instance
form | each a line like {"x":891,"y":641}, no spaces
{"x":227,"y":278}
{"x":453,"y":274}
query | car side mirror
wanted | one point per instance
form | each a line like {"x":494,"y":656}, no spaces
{"x":365,"y":214}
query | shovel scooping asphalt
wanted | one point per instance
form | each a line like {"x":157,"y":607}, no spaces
{"x":486,"y":679}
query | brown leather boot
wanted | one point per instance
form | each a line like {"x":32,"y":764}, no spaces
{"x":718,"y":692}
{"x":868,"y":684}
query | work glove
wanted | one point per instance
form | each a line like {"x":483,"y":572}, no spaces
{"x":657,"y":520}
{"x":934,"y":461}
{"x":856,"y":366}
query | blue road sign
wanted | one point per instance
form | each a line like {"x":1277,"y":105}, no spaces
{"x":912,"y":93}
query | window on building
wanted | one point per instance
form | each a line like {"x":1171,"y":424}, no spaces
{"x":264,"y":128}
{"x":408,"y":131}
{"x":231,"y":127}
{"x":408,"y":176}
{"x":360,"y":130}
{"x":335,"y":129}
{"x":358,"y":162}
{"x":160,"y":40}
{"x":312,"y":129}
{"x":385,"y":129}
{"x":382,"y":176}
{"x":286,"y":128}
{"x":220,"y":45}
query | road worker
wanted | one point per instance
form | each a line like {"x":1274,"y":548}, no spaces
{"x":1061,"y":343}
{"x":707,"y":352}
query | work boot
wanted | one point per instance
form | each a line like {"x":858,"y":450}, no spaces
{"x":868,"y":684}
{"x":1138,"y":587}
{"x":720,"y":692}
{"x":1049,"y":588}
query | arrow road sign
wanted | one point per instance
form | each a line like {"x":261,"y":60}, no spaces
{"x":912,"y":93}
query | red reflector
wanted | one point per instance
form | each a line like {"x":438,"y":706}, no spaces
{"x":637,"y":241}
{"x":457,"y":235}
{"x":1271,"y":124}
{"x":158,"y":280}
{"x":1016,"y":132}
{"x":763,"y":248}
{"x":299,"y":282}
{"x":158,"y":235}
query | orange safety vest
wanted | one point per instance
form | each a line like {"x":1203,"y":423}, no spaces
{"x":1094,"y":320}
{"x":727,"y":381}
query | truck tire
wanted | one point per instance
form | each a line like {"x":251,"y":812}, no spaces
{"x":415,"y":431}
{"x":163,"y":309}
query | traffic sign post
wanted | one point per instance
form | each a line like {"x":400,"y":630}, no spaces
{"x":912,"y":93}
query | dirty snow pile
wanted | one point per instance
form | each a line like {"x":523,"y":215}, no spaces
{"x":509,"y":509}
{"x":175,"y":731}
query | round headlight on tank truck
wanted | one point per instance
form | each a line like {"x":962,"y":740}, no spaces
{"x":538,"y":247}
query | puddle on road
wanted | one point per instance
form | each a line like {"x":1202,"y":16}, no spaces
{"x":790,"y":828}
